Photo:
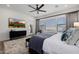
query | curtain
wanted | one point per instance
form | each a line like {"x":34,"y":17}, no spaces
{"x":71,"y":18}
{"x":37,"y":25}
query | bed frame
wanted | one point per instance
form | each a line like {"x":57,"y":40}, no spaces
{"x":31,"y":51}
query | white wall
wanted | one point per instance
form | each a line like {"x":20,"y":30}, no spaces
{"x":7,"y":13}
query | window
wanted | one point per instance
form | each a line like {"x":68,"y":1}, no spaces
{"x":53,"y":24}
{"x":61,"y":23}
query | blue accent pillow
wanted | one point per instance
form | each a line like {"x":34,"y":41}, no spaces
{"x":64,"y":37}
{"x":67,"y":34}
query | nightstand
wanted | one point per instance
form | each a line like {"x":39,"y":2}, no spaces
{"x":28,"y":39}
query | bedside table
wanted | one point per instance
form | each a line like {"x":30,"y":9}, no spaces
{"x":27,"y":40}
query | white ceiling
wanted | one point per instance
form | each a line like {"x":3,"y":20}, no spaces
{"x":50,"y":8}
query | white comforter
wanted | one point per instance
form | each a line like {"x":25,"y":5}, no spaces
{"x":55,"y":45}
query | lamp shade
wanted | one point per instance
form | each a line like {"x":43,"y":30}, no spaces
{"x":76,"y":24}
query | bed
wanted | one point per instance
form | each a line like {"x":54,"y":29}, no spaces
{"x":36,"y":42}
{"x":55,"y":44}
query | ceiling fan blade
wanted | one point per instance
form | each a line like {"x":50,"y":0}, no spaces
{"x":42,"y":10}
{"x":41,"y":6}
{"x":32,"y":11}
{"x":31,"y":6}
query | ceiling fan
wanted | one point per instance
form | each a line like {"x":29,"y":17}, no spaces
{"x":37,"y":8}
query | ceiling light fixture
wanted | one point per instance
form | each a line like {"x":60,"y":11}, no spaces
{"x":66,"y":6}
{"x":56,"y":6}
{"x":8,"y":5}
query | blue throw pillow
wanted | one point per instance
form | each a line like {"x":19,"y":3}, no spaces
{"x":64,"y":37}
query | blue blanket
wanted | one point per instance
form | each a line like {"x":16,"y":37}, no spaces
{"x":36,"y":41}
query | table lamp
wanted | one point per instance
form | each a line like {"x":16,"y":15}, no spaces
{"x":76,"y":24}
